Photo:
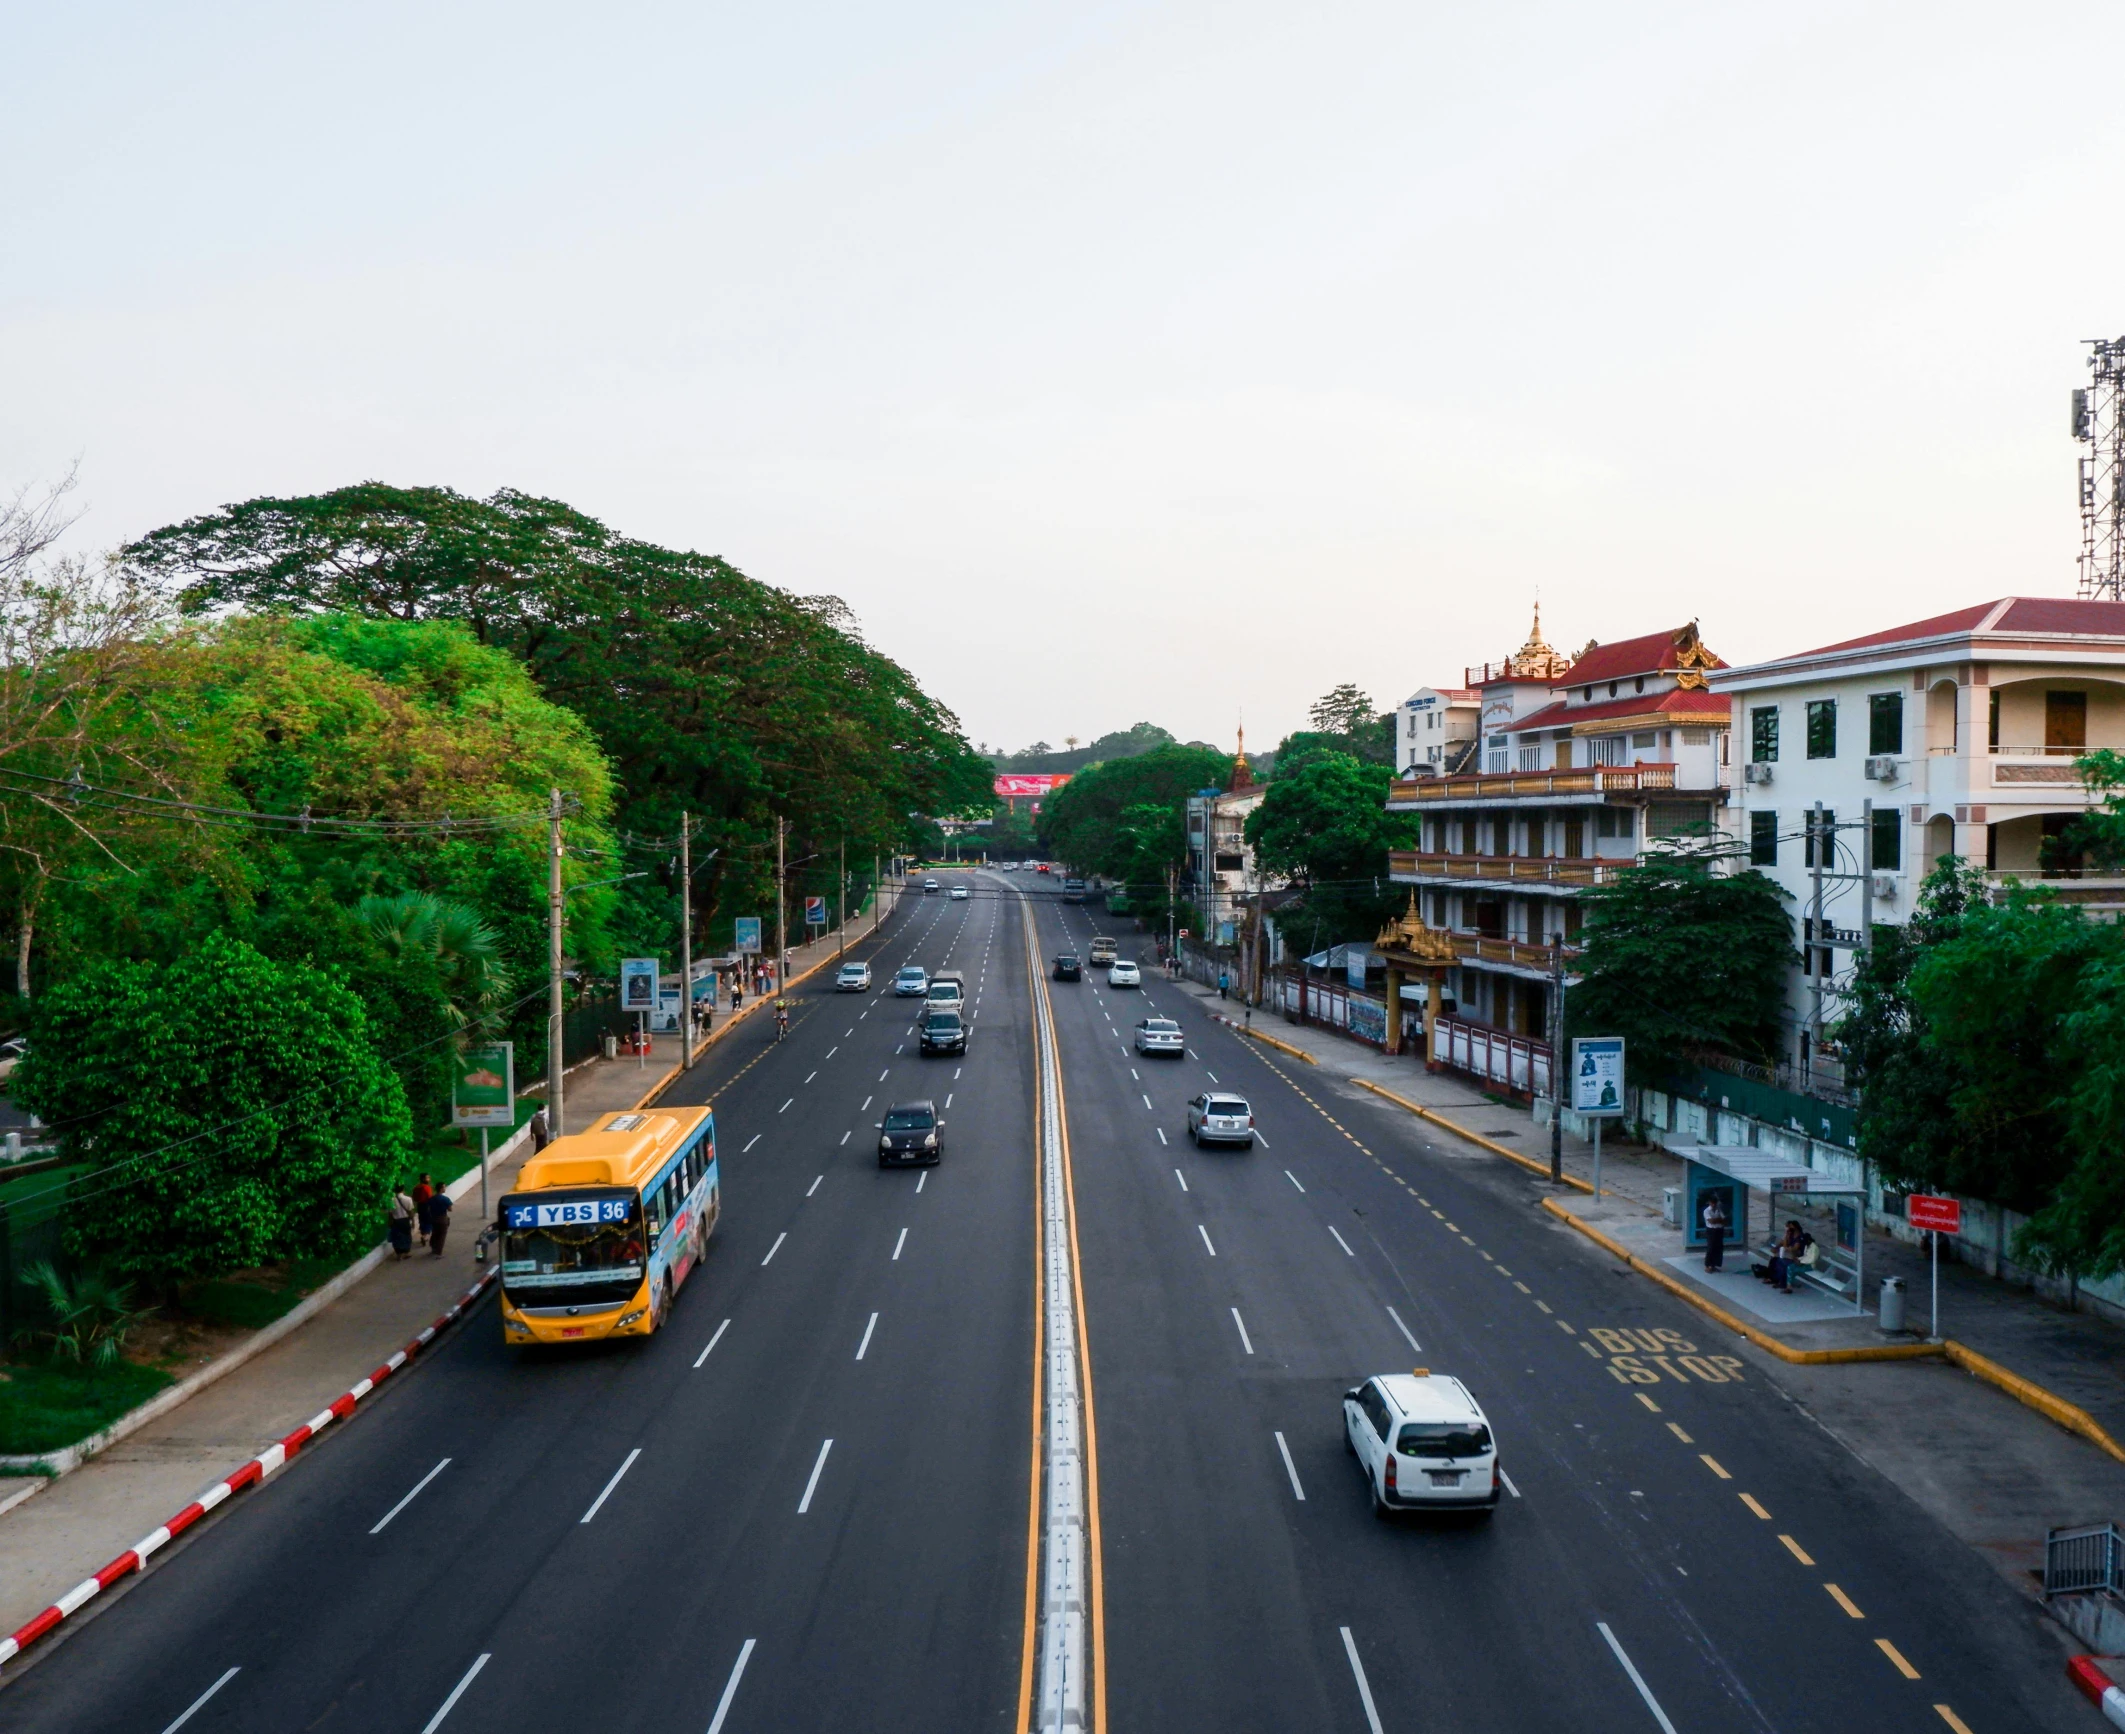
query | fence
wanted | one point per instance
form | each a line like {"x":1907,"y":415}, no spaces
{"x":2091,"y":1557}
{"x":1520,"y":1063}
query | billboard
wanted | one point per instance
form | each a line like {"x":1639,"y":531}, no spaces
{"x":483,"y":1090}
{"x":1028,"y":786}
{"x":638,"y":984}
{"x":746,"y":935}
{"x":815,"y":912}
{"x":1597,"y":1075}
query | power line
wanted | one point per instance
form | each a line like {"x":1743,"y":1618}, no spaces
{"x":77,"y":792}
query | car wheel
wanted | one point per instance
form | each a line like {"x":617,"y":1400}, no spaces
{"x":1349,"y":1444}
{"x":1193,"y":1139}
{"x":1249,"y":1145}
{"x":1380,"y":1508}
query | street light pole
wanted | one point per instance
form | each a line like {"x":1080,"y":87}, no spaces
{"x":781,"y":922}
{"x":686,"y":944}
{"x":842,"y":927}
{"x":553,"y":967}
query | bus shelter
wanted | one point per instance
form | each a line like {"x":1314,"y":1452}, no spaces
{"x":1730,"y":1172}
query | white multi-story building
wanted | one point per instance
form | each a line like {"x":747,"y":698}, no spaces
{"x":1435,"y":731}
{"x":1221,"y":865}
{"x":1953,"y":735}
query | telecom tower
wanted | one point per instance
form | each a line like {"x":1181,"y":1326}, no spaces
{"x":2099,"y":424}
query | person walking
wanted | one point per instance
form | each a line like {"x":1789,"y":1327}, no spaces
{"x":423,"y":1195}
{"x":401,"y":1223}
{"x":1223,"y":982}
{"x":438,"y":1222}
{"x":1715,"y":1233}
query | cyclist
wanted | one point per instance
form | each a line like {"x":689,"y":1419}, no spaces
{"x":781,"y":1018}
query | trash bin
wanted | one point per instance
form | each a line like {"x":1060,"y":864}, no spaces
{"x":1671,"y":1206}
{"x":610,"y":1046}
{"x":1892,"y":1304}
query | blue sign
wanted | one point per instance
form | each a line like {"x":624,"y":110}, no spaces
{"x":748,"y":935}
{"x":1597,"y":1075}
{"x":575,"y":1213}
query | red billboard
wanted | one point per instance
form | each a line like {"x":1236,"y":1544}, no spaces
{"x":1028,"y":786}
{"x":1942,"y":1215}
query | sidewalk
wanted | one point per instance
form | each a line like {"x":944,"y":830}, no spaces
{"x":2074,"y":1356}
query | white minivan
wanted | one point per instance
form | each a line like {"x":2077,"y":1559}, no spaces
{"x":1423,"y":1442}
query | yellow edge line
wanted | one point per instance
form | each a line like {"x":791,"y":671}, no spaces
{"x":1040,"y":1336}
{"x":1281,"y":1047}
{"x":2068,"y":1415}
{"x":1496,"y":1149}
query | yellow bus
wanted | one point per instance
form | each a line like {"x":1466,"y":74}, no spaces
{"x":605,"y":1224}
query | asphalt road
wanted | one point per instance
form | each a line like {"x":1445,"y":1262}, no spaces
{"x":658,"y":1536}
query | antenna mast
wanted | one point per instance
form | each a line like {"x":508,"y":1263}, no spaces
{"x":2099,"y":424}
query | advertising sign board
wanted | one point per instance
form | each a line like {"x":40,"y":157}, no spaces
{"x":1944,"y":1215}
{"x":483,"y":1089}
{"x":638,"y":984}
{"x":815,"y":912}
{"x":1021,"y":786}
{"x":747,"y":941}
{"x":1597,"y":1075}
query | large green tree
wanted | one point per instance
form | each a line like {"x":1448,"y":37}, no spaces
{"x":229,"y":1112}
{"x":1082,"y":821}
{"x":1324,"y":824}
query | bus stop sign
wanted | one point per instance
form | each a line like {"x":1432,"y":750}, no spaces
{"x":1942,"y":1215}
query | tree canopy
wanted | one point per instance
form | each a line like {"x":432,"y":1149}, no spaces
{"x":1082,"y":821}
{"x":1323,"y":823}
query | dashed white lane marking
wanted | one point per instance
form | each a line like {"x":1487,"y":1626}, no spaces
{"x":866,"y":1106}
{"x":1508,"y":1480}
{"x":1290,"y":1468}
{"x":1246,"y":1342}
{"x":393,"y":1512}
{"x":712,"y":1342}
{"x":814,"y":1187}
{"x":777,"y":1247}
{"x":844,"y":1138}
{"x":217,"y":1686}
{"x":730,"y":1689}
{"x":1293,"y":1178}
{"x":922,"y":1180}
{"x":866,"y":1343}
{"x":1340,"y":1241}
{"x":1182,"y":1178}
{"x":809,"y":1076}
{"x":610,"y":1485}
{"x":1212,"y":1076}
{"x":1404,"y":1329}
{"x":901,"y":1242}
{"x":1259,"y":1139}
{"x":948,"y":1097}
{"x":1637,"y":1679}
{"x":1147,"y":1103}
{"x":812,"y":1486}
{"x":956,"y":1070}
{"x":1205,"y":1233}
{"x":1357,"y":1669}
{"x":1161,"y":1133}
{"x":750,"y":1142}
{"x":458,"y":1691}
{"x":888,"y":1072}
{"x":784,"y":1109}
{"x":1134,"y":1074}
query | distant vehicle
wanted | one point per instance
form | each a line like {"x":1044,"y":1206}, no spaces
{"x":948,"y":991}
{"x":1215,"y":1118}
{"x":853,"y":978}
{"x":1042,"y":867}
{"x":908,"y":1134}
{"x":604,"y":1225}
{"x":1068,"y":967}
{"x":1073,"y":891}
{"x":943,"y":1032}
{"x":1117,"y":900}
{"x":959,"y":894}
{"x":1423,"y":1442}
{"x":1160,"y":1036}
{"x":913,"y":982}
{"x":1122,"y":972}
{"x":1102,"y":951}
{"x":928,"y":885}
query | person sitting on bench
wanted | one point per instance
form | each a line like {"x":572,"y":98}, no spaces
{"x":1795,"y":1247}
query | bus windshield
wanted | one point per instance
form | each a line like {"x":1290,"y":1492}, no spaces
{"x":572,"y":1249}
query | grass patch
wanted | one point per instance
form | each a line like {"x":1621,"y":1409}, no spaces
{"x":46,"y":1405}
{"x":252,"y":1299}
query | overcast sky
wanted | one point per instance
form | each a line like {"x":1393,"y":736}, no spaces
{"x":1113,"y":362}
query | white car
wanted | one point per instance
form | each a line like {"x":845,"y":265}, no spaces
{"x":913,"y":982}
{"x":1160,"y":1036}
{"x":1122,"y":972}
{"x":1423,"y":1442}
{"x":853,"y":978}
{"x":1215,"y":1117}
{"x":928,"y":885}
{"x":959,"y":894}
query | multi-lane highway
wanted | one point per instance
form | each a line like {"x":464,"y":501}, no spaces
{"x":808,"y":1503}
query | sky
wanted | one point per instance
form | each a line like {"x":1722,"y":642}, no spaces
{"x":1112,"y":362}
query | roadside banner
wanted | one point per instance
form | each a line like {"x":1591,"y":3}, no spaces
{"x":483,"y":1088}
{"x":638,"y":984}
{"x":1020,"y":786}
{"x":1942,"y":1215}
{"x":815,"y":912}
{"x":747,"y":941}
{"x":1597,"y":1075}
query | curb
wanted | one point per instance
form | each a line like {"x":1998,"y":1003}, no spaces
{"x":2070,"y":1416}
{"x":2085,"y":1673}
{"x":1248,"y":1030}
{"x":251,"y":1474}
{"x":1496,"y":1149}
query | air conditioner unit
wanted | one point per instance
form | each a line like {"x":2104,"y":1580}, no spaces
{"x":1756,"y":773}
{"x":1882,"y":769}
{"x":1885,"y":886}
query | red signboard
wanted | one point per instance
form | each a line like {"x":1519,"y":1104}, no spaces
{"x":1945,"y":1215}
{"x":1022,"y":785}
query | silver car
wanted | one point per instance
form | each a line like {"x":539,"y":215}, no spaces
{"x":913,"y":982}
{"x":853,"y":978}
{"x":1160,"y":1036}
{"x":1218,"y":1118}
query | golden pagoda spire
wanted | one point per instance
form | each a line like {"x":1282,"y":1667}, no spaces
{"x":1537,"y":659}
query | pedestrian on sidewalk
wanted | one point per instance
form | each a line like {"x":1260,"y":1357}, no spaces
{"x":1715,"y":1234}
{"x":1223,"y":982}
{"x":541,"y":1136}
{"x":737,"y":994}
{"x":438,"y":1222}
{"x":423,"y":1196}
{"x":401,"y":1222}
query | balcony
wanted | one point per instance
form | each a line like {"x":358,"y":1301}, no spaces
{"x":1562,"y":872}
{"x":1592,"y":784}
{"x":1521,"y":954}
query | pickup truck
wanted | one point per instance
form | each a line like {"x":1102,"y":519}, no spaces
{"x":1102,"y":951}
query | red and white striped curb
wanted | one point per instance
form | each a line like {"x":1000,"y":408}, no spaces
{"x":2086,"y":1673}
{"x":135,"y":1558}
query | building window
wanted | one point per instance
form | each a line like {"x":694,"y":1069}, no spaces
{"x":1992,"y":737}
{"x":1531,"y":758}
{"x":1696,"y":737}
{"x":1885,"y":724}
{"x":1645,"y":738}
{"x":1613,"y":822}
{"x":1605,"y":750}
{"x":1822,"y":728}
{"x":1676,"y":818}
{"x":1888,"y":835}
{"x":1763,"y":734}
{"x":1763,"y":839}
{"x":1824,"y":822}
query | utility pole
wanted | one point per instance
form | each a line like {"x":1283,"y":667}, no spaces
{"x":1556,"y":1054}
{"x":554,"y":1062}
{"x":843,"y":927}
{"x":686,"y":944}
{"x":1866,"y":875}
{"x":1819,"y":846}
{"x":781,"y":923}
{"x":877,"y":894}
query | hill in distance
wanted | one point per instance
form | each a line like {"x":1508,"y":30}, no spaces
{"x":1121,"y":744}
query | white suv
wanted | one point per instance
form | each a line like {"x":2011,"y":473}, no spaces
{"x":1423,"y":1442}
{"x":853,"y":978}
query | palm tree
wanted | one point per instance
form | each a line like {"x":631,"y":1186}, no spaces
{"x":467,"y":952}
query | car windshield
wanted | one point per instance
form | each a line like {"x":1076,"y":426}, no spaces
{"x":944,"y":1020}
{"x":1161,"y":1026}
{"x":912,"y":975}
{"x":1443,"y":1439}
{"x":909,"y":1120}
{"x":1225,"y":1105}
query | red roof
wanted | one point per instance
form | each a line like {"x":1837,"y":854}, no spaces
{"x":1647,"y":655}
{"x":2047,"y":614}
{"x":1675,"y":702}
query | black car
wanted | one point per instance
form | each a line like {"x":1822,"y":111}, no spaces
{"x":943,"y":1032}
{"x":909,"y":1133}
{"x":1068,"y":967}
